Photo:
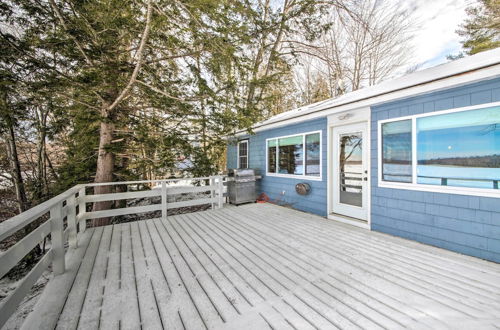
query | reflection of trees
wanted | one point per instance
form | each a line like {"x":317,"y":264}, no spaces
{"x":272,"y":159}
{"x":490,"y":128}
{"x":347,"y":140}
{"x":397,"y":148}
{"x":287,"y":156}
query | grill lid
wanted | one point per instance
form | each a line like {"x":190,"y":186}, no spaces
{"x":242,"y":174}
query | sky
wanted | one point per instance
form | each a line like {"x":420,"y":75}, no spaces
{"x":435,"y":37}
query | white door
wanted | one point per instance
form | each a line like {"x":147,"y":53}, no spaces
{"x":350,"y":170}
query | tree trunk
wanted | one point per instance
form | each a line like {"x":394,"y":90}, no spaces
{"x":15,"y":166}
{"x":105,"y":169}
{"x":42,"y":184}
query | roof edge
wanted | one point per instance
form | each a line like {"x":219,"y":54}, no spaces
{"x":481,"y":61}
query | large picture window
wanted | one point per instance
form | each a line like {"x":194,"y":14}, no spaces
{"x":457,"y":150}
{"x":295,"y":155}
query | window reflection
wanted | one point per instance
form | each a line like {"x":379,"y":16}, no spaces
{"x":313,"y":154}
{"x":460,"y":149}
{"x":397,"y":151}
{"x":290,"y":155}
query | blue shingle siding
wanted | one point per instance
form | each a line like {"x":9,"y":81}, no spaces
{"x":316,"y":201}
{"x":466,"y":224}
{"x":231,"y":155}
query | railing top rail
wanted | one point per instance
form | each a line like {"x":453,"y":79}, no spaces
{"x":145,"y":181}
{"x":10,"y":226}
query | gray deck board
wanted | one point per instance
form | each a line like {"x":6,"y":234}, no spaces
{"x":263,"y":266}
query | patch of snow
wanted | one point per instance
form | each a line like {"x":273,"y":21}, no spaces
{"x":7,"y":286}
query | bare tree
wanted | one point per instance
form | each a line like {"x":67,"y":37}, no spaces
{"x":366,"y":43}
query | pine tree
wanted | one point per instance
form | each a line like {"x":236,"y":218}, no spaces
{"x":481,"y":30}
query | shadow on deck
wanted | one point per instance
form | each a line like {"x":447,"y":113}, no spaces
{"x":261,"y":266}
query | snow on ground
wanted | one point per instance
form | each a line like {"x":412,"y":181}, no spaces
{"x":26,"y":306}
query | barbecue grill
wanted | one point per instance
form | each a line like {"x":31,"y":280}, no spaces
{"x":241,"y":185}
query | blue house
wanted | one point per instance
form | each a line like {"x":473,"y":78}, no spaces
{"x":416,"y":157}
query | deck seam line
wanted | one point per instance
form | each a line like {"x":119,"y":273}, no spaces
{"x":433,"y":268}
{"x":88,"y":282}
{"x":135,"y":276}
{"x":217,"y":266}
{"x":309,"y":282}
{"x":180,"y":277}
{"x":74,"y":278}
{"x":194,"y":274}
{"x":223,"y":259}
{"x":238,"y":261}
{"x":394,"y":241}
{"x":289,"y":290}
{"x":343,"y":261}
{"x":205,"y":271}
{"x":213,"y":220}
{"x":249,"y":260}
{"x":320,"y":277}
{"x":105,"y":277}
{"x":158,"y":258}
{"x":319,"y":313}
{"x":306,"y":239}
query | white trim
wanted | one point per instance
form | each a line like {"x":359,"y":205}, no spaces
{"x":329,"y":165}
{"x":352,"y":222}
{"x":379,"y":94}
{"x":421,"y":186}
{"x":360,"y":115}
{"x":296,"y":176}
{"x":238,"y":153}
{"x":357,"y":212}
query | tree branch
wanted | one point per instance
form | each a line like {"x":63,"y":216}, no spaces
{"x":140,"y":53}
{"x":63,"y":23}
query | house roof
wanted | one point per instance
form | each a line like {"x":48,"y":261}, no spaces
{"x":488,"y":61}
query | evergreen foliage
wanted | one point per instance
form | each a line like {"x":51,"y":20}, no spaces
{"x":142,"y":89}
{"x":481,"y":30}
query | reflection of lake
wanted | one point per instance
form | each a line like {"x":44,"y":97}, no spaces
{"x":486,"y":174}
{"x":398,"y":172}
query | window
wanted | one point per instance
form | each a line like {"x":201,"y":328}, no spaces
{"x":457,"y":150}
{"x":396,"y":158}
{"x":295,"y":155}
{"x":313,"y":154}
{"x":243,"y":154}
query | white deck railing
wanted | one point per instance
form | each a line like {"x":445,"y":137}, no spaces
{"x":67,"y":217}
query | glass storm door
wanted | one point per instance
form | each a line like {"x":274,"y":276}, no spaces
{"x":350,"y":171}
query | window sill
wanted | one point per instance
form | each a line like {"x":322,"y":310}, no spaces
{"x":495,"y":193}
{"x":298,"y":177}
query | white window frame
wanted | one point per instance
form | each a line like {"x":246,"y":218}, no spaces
{"x":238,"y":153}
{"x":297,"y":176}
{"x":421,"y":186}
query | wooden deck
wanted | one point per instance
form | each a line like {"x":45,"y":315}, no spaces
{"x":262,"y":266}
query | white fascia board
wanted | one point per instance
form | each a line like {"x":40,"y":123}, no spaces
{"x":436,"y":85}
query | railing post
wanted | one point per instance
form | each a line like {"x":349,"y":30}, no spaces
{"x":82,"y":208}
{"x":212,"y":190}
{"x":164,"y":197}
{"x":57,"y":236}
{"x":495,"y":184}
{"x":71,"y":205}
{"x":221,"y":191}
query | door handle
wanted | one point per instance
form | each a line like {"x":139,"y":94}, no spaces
{"x":365,"y":178}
